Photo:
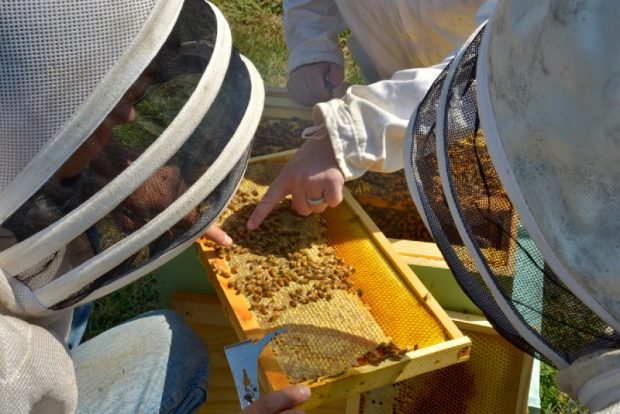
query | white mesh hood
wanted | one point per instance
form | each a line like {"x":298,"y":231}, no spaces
{"x":136,"y":134}
{"x":551,"y":88}
{"x":513,"y":158}
{"x":51,"y":62}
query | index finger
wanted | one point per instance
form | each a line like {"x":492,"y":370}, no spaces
{"x":276,"y":193}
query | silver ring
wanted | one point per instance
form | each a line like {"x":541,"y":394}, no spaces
{"x":315,"y":201}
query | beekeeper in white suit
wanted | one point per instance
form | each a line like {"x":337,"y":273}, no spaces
{"x":387,"y":37}
{"x":540,"y":94}
{"x":403,"y":45}
{"x":114,"y":157}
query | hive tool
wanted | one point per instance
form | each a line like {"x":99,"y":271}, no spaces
{"x":243,"y":360}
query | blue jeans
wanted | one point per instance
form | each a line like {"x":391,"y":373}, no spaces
{"x":154,"y":363}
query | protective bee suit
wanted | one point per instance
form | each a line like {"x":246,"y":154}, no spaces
{"x":405,"y":44}
{"x":125,"y":129}
{"x":512,"y":160}
{"x":393,"y":35}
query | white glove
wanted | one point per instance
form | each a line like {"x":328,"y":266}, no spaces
{"x":309,"y":84}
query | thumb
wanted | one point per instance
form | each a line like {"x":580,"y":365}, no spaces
{"x":279,"y":401}
{"x":335,"y":76}
{"x":219,"y":236}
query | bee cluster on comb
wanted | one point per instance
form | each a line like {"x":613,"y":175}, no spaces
{"x":291,"y":275}
{"x":386,"y":199}
{"x":278,"y":258}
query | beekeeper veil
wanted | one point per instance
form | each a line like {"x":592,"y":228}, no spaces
{"x":125,"y":129}
{"x":512,"y":159}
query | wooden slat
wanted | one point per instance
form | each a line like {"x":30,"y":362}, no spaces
{"x":419,"y":253}
{"x":278,"y":104}
{"x":276,"y":91}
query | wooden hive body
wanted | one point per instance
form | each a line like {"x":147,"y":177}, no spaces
{"x":422,"y":256}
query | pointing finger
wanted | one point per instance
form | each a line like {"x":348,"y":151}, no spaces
{"x":276,"y":193}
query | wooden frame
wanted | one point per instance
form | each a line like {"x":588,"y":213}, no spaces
{"x":278,"y":104}
{"x":355,"y":380}
{"x":424,"y":257}
{"x":206,"y":317}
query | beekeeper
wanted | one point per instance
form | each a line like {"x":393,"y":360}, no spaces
{"x":402,"y":46}
{"x":387,"y":37}
{"x":512,"y":161}
{"x":114,"y":157}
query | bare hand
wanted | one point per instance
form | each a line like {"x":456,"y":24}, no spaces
{"x":311,"y":174}
{"x":219,"y":236}
{"x":315,"y":82}
{"x":280,"y":402}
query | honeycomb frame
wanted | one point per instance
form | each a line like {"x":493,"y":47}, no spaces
{"x":496,"y":379}
{"x":453,"y":348}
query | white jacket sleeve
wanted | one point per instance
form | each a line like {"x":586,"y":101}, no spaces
{"x":367,"y":126}
{"x":36,"y":372}
{"x":311,"y":29}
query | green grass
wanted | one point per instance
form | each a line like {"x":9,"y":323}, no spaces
{"x":551,"y":400}
{"x":258,"y":34}
{"x":134,"y":299}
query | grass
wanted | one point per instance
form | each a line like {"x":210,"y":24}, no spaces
{"x":134,"y":299}
{"x":258,"y":34}
{"x":551,"y":400}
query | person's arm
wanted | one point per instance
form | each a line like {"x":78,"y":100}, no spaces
{"x":36,"y":371}
{"x":311,"y":29}
{"x":316,"y":62}
{"x":366,"y":127}
{"x":365,"y":130}
{"x":594,"y":381}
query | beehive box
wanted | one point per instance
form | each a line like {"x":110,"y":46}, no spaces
{"x":357,"y":316}
{"x":495,"y":379}
{"x":429,"y":265}
{"x":283,"y":120}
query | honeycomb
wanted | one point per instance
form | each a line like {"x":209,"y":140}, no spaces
{"x":277,"y":135}
{"x":487,"y":383}
{"x":323,"y":278}
{"x":386,"y":199}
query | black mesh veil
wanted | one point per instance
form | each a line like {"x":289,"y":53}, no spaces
{"x":206,"y":153}
{"x":425,"y":185}
{"x":479,"y":232}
